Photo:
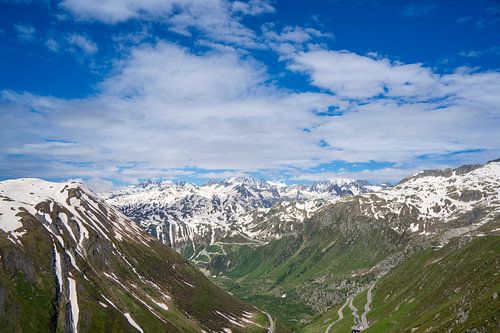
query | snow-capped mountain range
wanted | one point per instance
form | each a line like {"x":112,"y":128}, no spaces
{"x":184,"y":214}
{"x":245,"y":210}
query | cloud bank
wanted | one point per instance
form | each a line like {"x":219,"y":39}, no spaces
{"x":168,"y":110}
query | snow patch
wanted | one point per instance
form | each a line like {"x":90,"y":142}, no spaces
{"x":74,"y":303}
{"x":57,"y":264}
{"x":132,"y":322}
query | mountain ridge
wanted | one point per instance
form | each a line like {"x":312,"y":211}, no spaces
{"x":70,"y":262}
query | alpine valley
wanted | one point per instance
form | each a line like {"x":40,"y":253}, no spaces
{"x":420,"y":256}
{"x":243,"y":255}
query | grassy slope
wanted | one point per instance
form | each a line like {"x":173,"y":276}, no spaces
{"x":23,"y":293}
{"x":433,"y":288}
{"x":451,"y":288}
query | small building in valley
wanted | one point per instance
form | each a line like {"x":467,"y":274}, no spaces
{"x":357,"y":329}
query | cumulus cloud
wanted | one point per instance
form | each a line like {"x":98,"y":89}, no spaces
{"x":252,"y":7}
{"x":406,"y":108}
{"x":355,"y":76}
{"x":171,"y":73}
{"x":169,"y":111}
{"x":167,"y":108}
{"x":290,"y":40}
{"x":386,"y":130}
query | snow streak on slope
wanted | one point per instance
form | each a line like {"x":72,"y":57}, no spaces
{"x":75,"y":311}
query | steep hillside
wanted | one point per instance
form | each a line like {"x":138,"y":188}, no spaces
{"x":451,"y":289}
{"x":333,"y":255}
{"x":69,"y":262}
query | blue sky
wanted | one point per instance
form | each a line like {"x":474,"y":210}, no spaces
{"x":117,"y":91}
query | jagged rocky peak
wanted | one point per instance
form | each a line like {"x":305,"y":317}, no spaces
{"x":194,"y":216}
{"x":341,"y":186}
{"x":164,"y":184}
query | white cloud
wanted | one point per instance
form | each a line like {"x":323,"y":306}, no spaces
{"x":83,"y":43}
{"x":292,"y":39}
{"x":172,"y":74}
{"x":167,"y":108}
{"x":252,"y":7}
{"x":52,"y":45}
{"x":213,"y":18}
{"x":97,"y":185}
{"x":386,"y":130}
{"x":351,"y":75}
{"x":478,"y":53}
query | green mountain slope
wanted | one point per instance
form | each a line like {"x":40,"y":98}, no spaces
{"x":455,"y":288}
{"x":451,"y":289}
{"x":71,"y":263}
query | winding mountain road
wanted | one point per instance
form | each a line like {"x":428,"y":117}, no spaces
{"x":341,"y":316}
{"x":364,"y":321}
{"x":271,"y":323}
{"x":354,"y":311}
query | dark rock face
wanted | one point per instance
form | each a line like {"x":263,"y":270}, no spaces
{"x":14,"y":261}
{"x":3,"y":295}
{"x":466,"y":169}
{"x":471,"y":195}
{"x":68,"y":319}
